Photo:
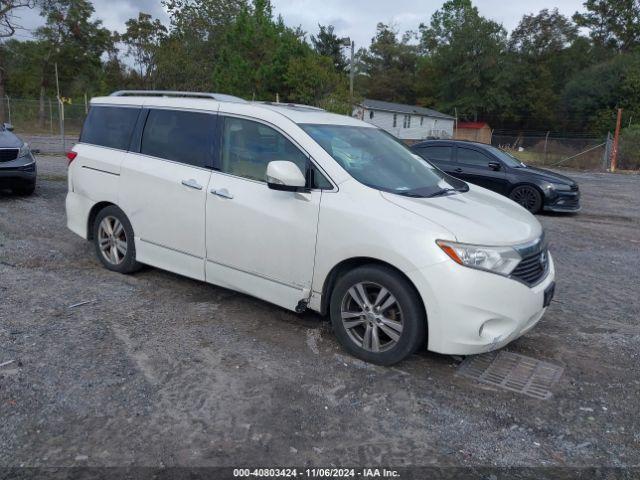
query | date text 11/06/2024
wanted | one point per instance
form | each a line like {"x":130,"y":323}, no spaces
{"x":315,"y":473}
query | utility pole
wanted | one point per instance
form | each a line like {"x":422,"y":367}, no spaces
{"x":347,"y":42}
{"x":351,"y":70}
{"x":616,"y":139}
{"x":60,"y":111}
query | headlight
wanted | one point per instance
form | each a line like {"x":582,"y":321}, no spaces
{"x":501,"y":260}
{"x":560,"y":187}
{"x":24,"y":150}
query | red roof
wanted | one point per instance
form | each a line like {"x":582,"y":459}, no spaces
{"x":472,"y":125}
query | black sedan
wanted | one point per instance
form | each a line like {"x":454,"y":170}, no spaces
{"x":17,"y":163}
{"x":490,"y":167}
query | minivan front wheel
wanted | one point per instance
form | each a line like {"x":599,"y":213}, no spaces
{"x":113,"y":237}
{"x":377,"y":315}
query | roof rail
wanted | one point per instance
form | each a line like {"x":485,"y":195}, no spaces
{"x":221,"y":97}
{"x":287,"y":104}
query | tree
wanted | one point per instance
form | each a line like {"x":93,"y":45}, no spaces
{"x":202,"y":18}
{"x":389,"y":66}
{"x":612,"y":23}
{"x":546,"y":33}
{"x":329,"y":45}
{"x":143,"y":38}
{"x":464,"y":60}
{"x":8,"y":26}
{"x":75,"y":43}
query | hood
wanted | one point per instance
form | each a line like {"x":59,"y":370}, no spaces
{"x":477,"y":216}
{"x":9,"y":140}
{"x":546,"y":175}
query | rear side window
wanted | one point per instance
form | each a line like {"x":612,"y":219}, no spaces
{"x":442,"y":154}
{"x":110,"y":126}
{"x":472,"y":157}
{"x":185,"y":137}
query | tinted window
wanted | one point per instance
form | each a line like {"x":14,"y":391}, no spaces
{"x":248,"y":147}
{"x":437,"y":154}
{"x":185,"y":137}
{"x":110,"y":126}
{"x":472,"y":157}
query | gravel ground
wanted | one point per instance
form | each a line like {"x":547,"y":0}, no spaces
{"x":161,"y":370}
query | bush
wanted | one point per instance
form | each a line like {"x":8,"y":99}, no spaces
{"x":629,"y":148}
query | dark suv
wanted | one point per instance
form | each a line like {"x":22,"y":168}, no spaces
{"x":490,"y":167}
{"x":17,"y":163}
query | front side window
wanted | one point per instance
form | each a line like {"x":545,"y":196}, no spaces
{"x":248,"y":147}
{"x":185,"y":137}
{"x":110,"y":126}
{"x":472,"y":157}
{"x":376,"y":159}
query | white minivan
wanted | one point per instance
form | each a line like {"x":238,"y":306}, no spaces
{"x":308,"y":210}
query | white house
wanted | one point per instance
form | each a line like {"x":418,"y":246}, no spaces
{"x":406,"y":122}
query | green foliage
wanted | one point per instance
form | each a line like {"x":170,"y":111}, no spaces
{"x":465,"y":59}
{"x":389,"y":67}
{"x":75,"y":42}
{"x":143,"y":38}
{"x":329,"y":45}
{"x":612,"y":23}
{"x":547,"y":75}
{"x":592,"y":97}
{"x":629,"y":151}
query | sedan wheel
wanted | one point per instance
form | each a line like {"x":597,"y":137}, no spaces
{"x":528,"y":197}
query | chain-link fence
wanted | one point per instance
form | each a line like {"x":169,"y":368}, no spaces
{"x":43,"y":116}
{"x":546,"y":149}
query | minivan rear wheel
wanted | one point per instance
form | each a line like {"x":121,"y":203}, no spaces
{"x":114,"y":242}
{"x":377,"y":315}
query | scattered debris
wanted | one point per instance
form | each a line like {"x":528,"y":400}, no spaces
{"x":4,"y":364}
{"x":79,"y":304}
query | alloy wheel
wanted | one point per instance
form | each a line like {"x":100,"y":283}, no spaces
{"x":525,"y":196}
{"x":112,"y":240}
{"x":372,"y":317}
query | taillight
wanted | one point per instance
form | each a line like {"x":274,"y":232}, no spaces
{"x":71,"y":156}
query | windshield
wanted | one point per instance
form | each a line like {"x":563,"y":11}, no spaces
{"x":506,"y":158}
{"x":378,"y":160}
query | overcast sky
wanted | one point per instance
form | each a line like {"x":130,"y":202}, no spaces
{"x":355,"y":18}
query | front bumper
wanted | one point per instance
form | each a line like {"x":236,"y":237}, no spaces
{"x":470,"y":311}
{"x":563,"y":202}
{"x":21,"y":171}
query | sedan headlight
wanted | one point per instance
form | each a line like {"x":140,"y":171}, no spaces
{"x":560,"y":187}
{"x":24,"y":150}
{"x":501,"y":260}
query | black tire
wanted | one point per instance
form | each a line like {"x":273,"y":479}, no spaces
{"x":25,"y":189}
{"x":410,"y":311}
{"x":126,"y":261}
{"x":527,"y":196}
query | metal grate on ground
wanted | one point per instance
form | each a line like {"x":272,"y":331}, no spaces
{"x":514,"y":372}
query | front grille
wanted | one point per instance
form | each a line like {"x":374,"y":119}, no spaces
{"x":8,"y":154}
{"x":532,"y":268}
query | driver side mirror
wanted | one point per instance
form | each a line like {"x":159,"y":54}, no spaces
{"x":494,"y":166}
{"x":8,"y":127}
{"x":285,"y":176}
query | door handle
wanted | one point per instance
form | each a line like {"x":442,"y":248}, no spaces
{"x":191,"y":183}
{"x":458,"y":170}
{"x":222,"y":192}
